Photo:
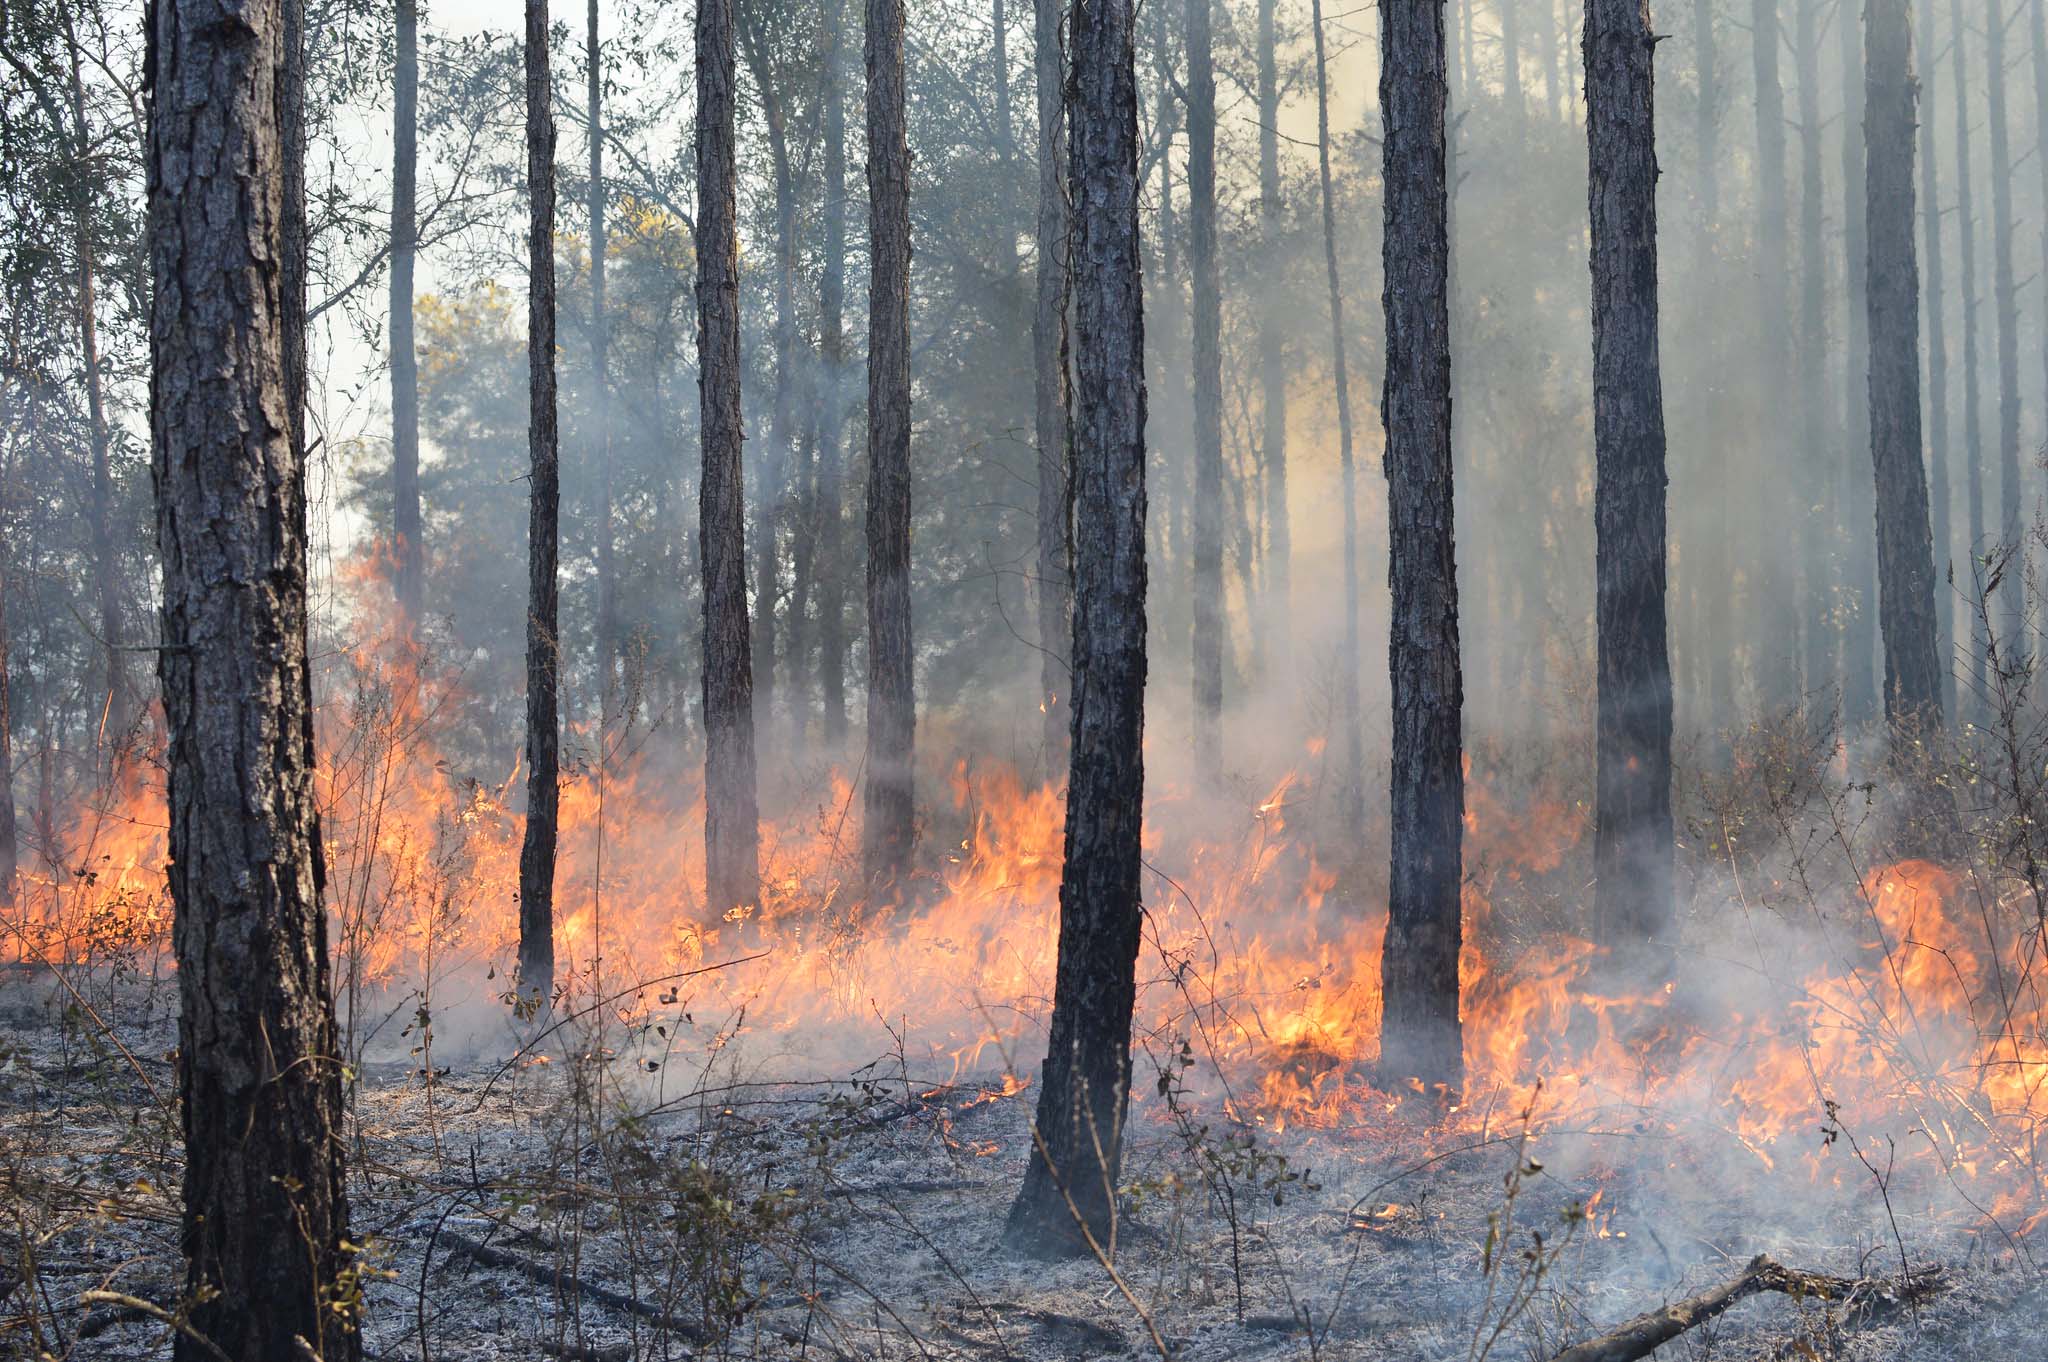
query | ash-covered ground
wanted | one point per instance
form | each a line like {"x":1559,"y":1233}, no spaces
{"x":586,"y":1209}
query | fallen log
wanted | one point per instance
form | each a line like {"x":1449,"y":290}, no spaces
{"x":1864,"y":1299}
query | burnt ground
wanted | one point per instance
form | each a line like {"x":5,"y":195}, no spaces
{"x":527,"y":1210}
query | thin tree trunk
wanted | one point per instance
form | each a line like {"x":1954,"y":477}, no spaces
{"x":1776,"y":630}
{"x":1972,"y":395}
{"x":1049,"y":388}
{"x":832,"y":415}
{"x":1351,"y":800}
{"x":1937,"y":378}
{"x":732,"y":831}
{"x":543,"y":649}
{"x":1208,"y":394}
{"x":600,"y":379}
{"x":2012,"y":647}
{"x":1546,"y":28}
{"x":10,"y":846}
{"x":1279,"y":600}
{"x":1511,"y":72}
{"x":1717,"y":625}
{"x":2038,"y":26}
{"x":887,"y":831}
{"x":1811,"y":472}
{"x":1632,"y":851}
{"x":1420,"y":1033}
{"x":265,"y":1212}
{"x":1068,"y":1200}
{"x":408,"y":548}
{"x":1905,"y":560}
{"x":1859,"y":630}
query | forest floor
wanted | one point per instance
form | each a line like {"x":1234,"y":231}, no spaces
{"x":531,"y":1210}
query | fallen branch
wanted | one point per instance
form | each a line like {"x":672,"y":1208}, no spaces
{"x":1866,"y":1298}
{"x":571,"y":1285}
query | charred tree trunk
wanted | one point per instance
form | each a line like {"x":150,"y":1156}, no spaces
{"x":259,"y":1075}
{"x":543,"y":649}
{"x":1049,"y":388}
{"x":1633,"y":840}
{"x":887,"y":830}
{"x":1973,"y":420}
{"x":1813,"y":468}
{"x":1716,"y":623}
{"x":1776,"y":629}
{"x":1278,"y":607}
{"x":10,"y":843}
{"x":1905,"y":559}
{"x":831,"y":495}
{"x":732,"y":829}
{"x":600,"y":378}
{"x":1937,"y":380}
{"x":1208,"y":392}
{"x":1351,"y":800}
{"x":1420,"y":1033}
{"x":2038,"y":26}
{"x":1068,"y":1201}
{"x":407,"y":547}
{"x":1859,"y":573}
{"x":2012,"y":648}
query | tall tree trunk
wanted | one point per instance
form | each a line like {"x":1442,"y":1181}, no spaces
{"x":832,"y":414}
{"x":1937,"y":378}
{"x":1069,"y":1195}
{"x":2013,"y":598}
{"x":600,"y":377}
{"x":408,"y":548}
{"x":1972,"y":395}
{"x":1049,"y":389}
{"x":888,"y":829}
{"x":265,"y":1210}
{"x":1420,"y":1033}
{"x":543,"y":647}
{"x":999,"y":61}
{"x":1776,"y":630}
{"x":10,"y":845}
{"x":1716,"y":625}
{"x":106,"y":547}
{"x":1208,"y":393}
{"x":1812,"y":471}
{"x":1633,"y":839}
{"x":1905,"y":558}
{"x":1546,"y":29}
{"x":1279,"y":603}
{"x":1511,"y":72}
{"x":1351,"y":801}
{"x":732,"y":827}
{"x":1859,"y":630}
{"x":2038,"y":26}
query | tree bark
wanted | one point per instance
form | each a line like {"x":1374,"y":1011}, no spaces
{"x":1632,"y":850}
{"x":600,"y":376}
{"x":1716,"y":624}
{"x":732,"y":831}
{"x":1859,"y":630}
{"x":887,"y":832}
{"x":1905,"y":556}
{"x":1049,"y":391}
{"x":1208,"y":395}
{"x":259,"y":1075}
{"x":1937,"y":379}
{"x":1420,"y":1033}
{"x":2038,"y":26}
{"x":832,"y":413}
{"x":1972,"y":394}
{"x":10,"y":845}
{"x":1776,"y":628}
{"x":2012,"y":647}
{"x":1811,"y":472}
{"x":1279,"y":602}
{"x":1351,"y":799}
{"x":1068,"y":1200}
{"x":408,"y":577}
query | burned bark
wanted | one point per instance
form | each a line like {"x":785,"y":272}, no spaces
{"x":1973,"y":420}
{"x":408,"y":573}
{"x":1351,"y":801}
{"x":732,"y":832}
{"x":1278,"y":605}
{"x":829,"y":494}
{"x":1820,"y":544}
{"x":543,"y":649}
{"x":1776,"y":628}
{"x":1905,"y":557}
{"x":265,"y":1209}
{"x":1717,"y":672}
{"x":887,"y":830}
{"x":1632,"y":850}
{"x":1068,"y":1202}
{"x":1049,"y":392}
{"x":2012,"y":645}
{"x":1419,"y":970}
{"x":1208,"y":394}
{"x":1859,"y":628}
{"x":10,"y":845}
{"x":1937,"y":381}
